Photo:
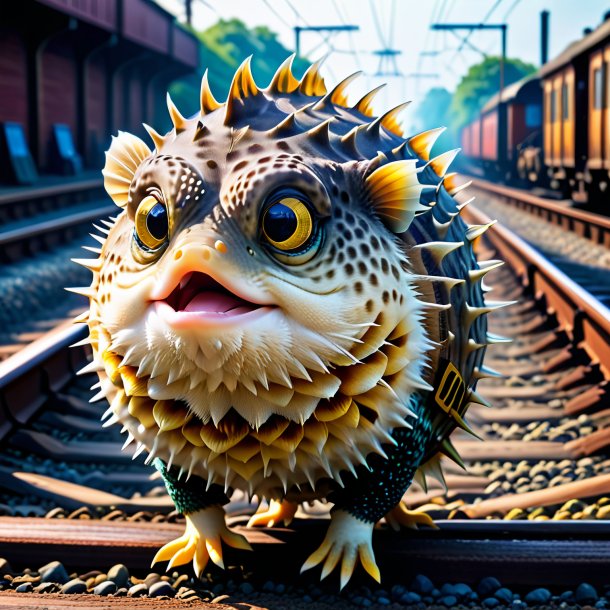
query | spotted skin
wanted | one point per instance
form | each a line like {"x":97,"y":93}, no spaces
{"x":326,"y":388}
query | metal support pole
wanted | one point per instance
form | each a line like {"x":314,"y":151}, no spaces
{"x":503,"y":59}
{"x":319,"y":28}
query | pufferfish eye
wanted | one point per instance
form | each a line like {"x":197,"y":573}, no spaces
{"x":151,"y":224}
{"x":288,"y":225}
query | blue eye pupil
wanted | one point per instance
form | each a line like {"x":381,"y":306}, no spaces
{"x":156,"y":221}
{"x":280,"y":222}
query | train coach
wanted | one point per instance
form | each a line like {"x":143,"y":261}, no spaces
{"x":507,"y":123}
{"x":576,"y":122}
{"x":552,"y":128}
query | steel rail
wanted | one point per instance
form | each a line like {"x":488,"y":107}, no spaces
{"x":16,"y":195}
{"x":33,"y":373}
{"x":521,"y":552}
{"x":585,"y":320}
{"x":46,"y":227}
{"x":585,"y":224}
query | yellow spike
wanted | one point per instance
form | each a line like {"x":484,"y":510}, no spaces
{"x":190,"y":431}
{"x":365,"y":104}
{"x":271,"y":430}
{"x":81,"y":318}
{"x":475,"y":231}
{"x":390,"y":119}
{"x":155,"y":136}
{"x":242,"y":86}
{"x":329,"y":410}
{"x":395,"y":193}
{"x":451,"y":184}
{"x":283,"y":80}
{"x":441,"y":163}
{"x":312,"y":83}
{"x":85,"y":291}
{"x":450,"y":181}
{"x":93,"y":264}
{"x":177,"y":119}
{"x":219,"y":442}
{"x":132,"y":384}
{"x":337,"y":96}
{"x":207,"y":102}
{"x":141,"y":407}
{"x":168,"y":416}
{"x":423,"y":142}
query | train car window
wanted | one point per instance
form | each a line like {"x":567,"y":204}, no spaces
{"x":565,"y":102}
{"x":598,"y":88}
{"x":533,"y":115}
{"x":553,"y":106}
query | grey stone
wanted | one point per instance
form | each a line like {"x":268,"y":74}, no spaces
{"x":76,"y":585}
{"x":47,"y":587}
{"x":108,"y":587}
{"x":54,"y":572}
{"x":504,"y":595}
{"x":119,"y":575}
{"x":422,"y":584}
{"x":538,"y":596}
{"x":25,"y":587}
{"x":160,"y":589}
{"x":138,"y":590}
{"x":488,"y":586}
{"x":448,"y":600}
{"x":586,"y":595}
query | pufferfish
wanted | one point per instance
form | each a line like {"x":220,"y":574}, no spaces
{"x":288,"y":304}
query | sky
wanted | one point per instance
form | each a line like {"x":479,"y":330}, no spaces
{"x":404,"y":25}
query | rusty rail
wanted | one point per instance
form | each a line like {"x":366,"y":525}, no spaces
{"x":585,"y":224}
{"x":584,"y":319}
{"x":520,"y":552}
{"x":28,"y":377}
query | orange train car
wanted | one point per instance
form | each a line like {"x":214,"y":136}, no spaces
{"x":576,"y":123}
{"x":568,"y":148}
{"x":506,"y":124}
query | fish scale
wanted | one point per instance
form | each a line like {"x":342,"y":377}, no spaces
{"x":366,"y":346}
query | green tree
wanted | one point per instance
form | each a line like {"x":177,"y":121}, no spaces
{"x":434,"y":111}
{"x":224,"y":46}
{"x":481,"y":82}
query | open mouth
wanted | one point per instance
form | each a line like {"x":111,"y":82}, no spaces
{"x":199,"y":297}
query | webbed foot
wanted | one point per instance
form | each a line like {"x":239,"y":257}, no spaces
{"x":347,"y":539}
{"x":277,"y":511}
{"x":201,"y":541}
{"x":401,"y":516}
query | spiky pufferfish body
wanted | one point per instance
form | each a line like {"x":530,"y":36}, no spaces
{"x":358,"y":353}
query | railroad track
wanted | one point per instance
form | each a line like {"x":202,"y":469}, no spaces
{"x":40,"y":230}
{"x":573,"y":240}
{"x":533,"y":509}
{"x":591,"y":226}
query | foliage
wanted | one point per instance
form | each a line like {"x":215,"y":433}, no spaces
{"x":481,"y":82}
{"x":223,"y":47}
{"x":433,"y":111}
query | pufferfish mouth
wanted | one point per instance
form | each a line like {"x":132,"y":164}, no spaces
{"x":199,"y":299}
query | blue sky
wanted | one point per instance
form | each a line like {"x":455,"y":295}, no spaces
{"x":405,"y":25}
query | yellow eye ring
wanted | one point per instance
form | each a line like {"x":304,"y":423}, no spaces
{"x":151,"y":223}
{"x":287,"y":224}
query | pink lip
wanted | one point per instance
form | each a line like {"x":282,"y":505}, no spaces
{"x":199,"y":300}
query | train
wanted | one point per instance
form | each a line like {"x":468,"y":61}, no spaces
{"x":552,"y":128}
